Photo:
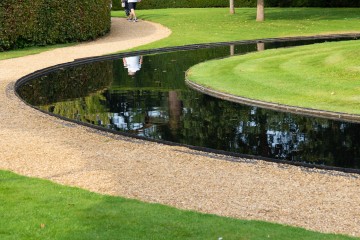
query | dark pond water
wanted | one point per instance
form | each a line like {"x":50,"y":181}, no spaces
{"x":154,"y":102}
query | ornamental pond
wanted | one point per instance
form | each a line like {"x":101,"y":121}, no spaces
{"x":144,"y":94}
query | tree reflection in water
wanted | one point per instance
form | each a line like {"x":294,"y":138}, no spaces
{"x":156,"y":103}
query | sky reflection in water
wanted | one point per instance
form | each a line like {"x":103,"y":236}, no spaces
{"x":147,"y":96}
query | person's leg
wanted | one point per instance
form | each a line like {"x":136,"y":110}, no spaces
{"x":127,"y":10}
{"x":133,"y":13}
{"x":132,"y":6}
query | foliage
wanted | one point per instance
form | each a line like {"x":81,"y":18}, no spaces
{"x":313,"y":3}
{"x":26,"y":23}
{"x":157,"y":4}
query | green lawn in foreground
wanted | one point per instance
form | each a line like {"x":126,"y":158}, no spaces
{"x":68,"y":213}
{"x":38,"y":209}
{"x":190,"y":26}
{"x":321,"y":76}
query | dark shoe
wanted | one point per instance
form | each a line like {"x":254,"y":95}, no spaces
{"x":135,"y":20}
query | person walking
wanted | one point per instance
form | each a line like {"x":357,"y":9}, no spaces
{"x":125,"y":5}
{"x":132,"y":7}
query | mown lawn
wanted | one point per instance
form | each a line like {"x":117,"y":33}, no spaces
{"x":38,"y":209}
{"x":322,"y":76}
{"x":30,"y":51}
{"x":190,"y":26}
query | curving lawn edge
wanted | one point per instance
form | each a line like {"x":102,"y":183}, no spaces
{"x":319,"y":80}
{"x":53,"y":211}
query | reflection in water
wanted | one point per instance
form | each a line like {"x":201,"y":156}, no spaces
{"x":156,"y":103}
{"x":260,"y":46}
{"x":132,"y":64}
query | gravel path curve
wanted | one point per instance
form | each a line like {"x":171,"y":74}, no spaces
{"x":37,"y":145}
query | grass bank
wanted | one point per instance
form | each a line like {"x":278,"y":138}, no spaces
{"x":30,"y":51}
{"x":322,"y":76}
{"x":190,"y":26}
{"x":38,"y":209}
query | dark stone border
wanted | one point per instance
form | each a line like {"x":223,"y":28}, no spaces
{"x":339,"y":116}
{"x":81,"y":61}
{"x":345,"y":117}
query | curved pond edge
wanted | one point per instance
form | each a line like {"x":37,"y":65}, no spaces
{"x":345,"y":117}
{"x":76,"y":62}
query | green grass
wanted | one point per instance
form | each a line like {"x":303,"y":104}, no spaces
{"x":321,"y":76}
{"x":30,"y":51}
{"x":38,"y":209}
{"x":216,"y":24}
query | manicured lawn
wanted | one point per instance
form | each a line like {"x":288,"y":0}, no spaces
{"x":30,"y":51}
{"x":38,"y":209}
{"x":216,"y":24}
{"x":322,"y":76}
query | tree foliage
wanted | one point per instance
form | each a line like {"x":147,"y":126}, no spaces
{"x":156,"y":4}
{"x":41,"y":22}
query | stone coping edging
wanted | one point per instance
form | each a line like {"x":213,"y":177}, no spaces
{"x":339,"y":116}
{"x":354,"y":118}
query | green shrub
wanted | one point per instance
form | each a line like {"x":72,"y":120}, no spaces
{"x":155,"y":4}
{"x":149,"y":4}
{"x":313,"y":3}
{"x":26,"y":23}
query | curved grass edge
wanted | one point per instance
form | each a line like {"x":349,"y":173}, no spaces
{"x":274,"y":106}
{"x":230,"y":156}
{"x":196,"y":75}
{"x":50,"y":210}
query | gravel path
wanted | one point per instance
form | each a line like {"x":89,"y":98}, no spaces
{"x":37,"y":145}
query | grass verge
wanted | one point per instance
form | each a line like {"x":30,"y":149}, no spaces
{"x":30,"y":51}
{"x":202,"y":25}
{"x":38,"y":209}
{"x":191,"y":26}
{"x":321,"y":76}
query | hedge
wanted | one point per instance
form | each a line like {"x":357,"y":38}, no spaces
{"x":313,"y":3}
{"x":155,"y":4}
{"x":26,"y":23}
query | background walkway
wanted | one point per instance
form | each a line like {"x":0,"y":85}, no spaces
{"x":37,"y":145}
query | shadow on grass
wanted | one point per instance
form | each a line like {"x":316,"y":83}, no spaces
{"x":312,"y":14}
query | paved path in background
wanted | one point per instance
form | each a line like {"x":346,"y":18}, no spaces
{"x":37,"y":145}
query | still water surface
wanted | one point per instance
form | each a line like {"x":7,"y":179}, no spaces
{"x":147,"y":96}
